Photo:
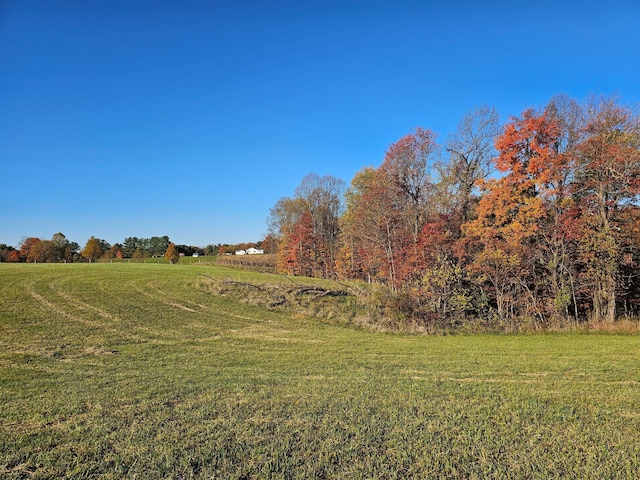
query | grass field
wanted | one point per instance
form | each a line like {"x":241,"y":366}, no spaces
{"x":139,"y":371}
{"x":186,"y":260}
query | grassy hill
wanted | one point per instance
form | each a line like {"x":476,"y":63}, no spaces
{"x":156,"y":371}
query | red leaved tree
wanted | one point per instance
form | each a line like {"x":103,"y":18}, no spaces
{"x":607,"y":184}
{"x":296,"y":256}
{"x":33,"y":250}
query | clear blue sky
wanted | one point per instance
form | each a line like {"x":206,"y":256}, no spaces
{"x":191,"y":119}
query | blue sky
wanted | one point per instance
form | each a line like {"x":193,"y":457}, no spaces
{"x":191,"y":119}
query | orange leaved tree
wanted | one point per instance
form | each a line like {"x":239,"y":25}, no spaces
{"x":511,"y":215}
{"x":172,"y":253}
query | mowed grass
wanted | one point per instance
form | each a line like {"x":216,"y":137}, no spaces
{"x":137,"y":371}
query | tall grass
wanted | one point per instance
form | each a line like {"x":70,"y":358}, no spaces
{"x":263,"y":263}
{"x":140,"y":371}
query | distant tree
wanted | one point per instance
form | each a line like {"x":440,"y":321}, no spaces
{"x":172,"y":254}
{"x":104,"y":245}
{"x":116,"y":251}
{"x":296,"y":255}
{"x":157,"y":245}
{"x":92,"y":250}
{"x":318,"y":200}
{"x":8,"y":254}
{"x":189,"y":250}
{"x":75,"y":250}
{"x":13,"y":256}
{"x":43,"y":250}
{"x":60,"y":250}
{"x":130,"y":245}
{"x":31,"y":250}
{"x":269,"y":244}
{"x":322,"y":197}
{"x":283,"y":218}
{"x":138,"y":254}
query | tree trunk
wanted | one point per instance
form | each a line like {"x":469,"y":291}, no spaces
{"x":611,"y":300}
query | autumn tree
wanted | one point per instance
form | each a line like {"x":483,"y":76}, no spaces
{"x":323,"y":200}
{"x":311,"y":216}
{"x":408,"y":165}
{"x":172,"y":253}
{"x":607,"y":183}
{"x":510,"y":213}
{"x":437,"y":281}
{"x":376,"y":226}
{"x":9,"y":254}
{"x":116,"y":251}
{"x":33,"y":250}
{"x":386,"y":209}
{"x":629,"y":268}
{"x":92,"y":250}
{"x":351,"y":261}
{"x":269,"y":244}
{"x":284,"y":214}
{"x":552,"y":234}
{"x":296,"y":256}
{"x":441,"y":289}
{"x":560,"y":229}
{"x":283,"y":218}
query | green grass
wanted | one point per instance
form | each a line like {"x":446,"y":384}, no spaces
{"x":138,"y":371}
{"x":186,"y":260}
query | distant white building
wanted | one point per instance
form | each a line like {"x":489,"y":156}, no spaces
{"x":254,"y":251}
{"x":195,"y":255}
{"x":240,"y":252}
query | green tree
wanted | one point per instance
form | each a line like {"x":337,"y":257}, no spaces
{"x":60,"y":248}
{"x":157,"y":245}
{"x":130,"y":245}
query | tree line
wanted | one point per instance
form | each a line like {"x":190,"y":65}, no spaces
{"x":59,"y":249}
{"x":536,"y":220}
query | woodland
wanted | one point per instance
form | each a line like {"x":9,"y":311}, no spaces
{"x":535,"y":222}
{"x":530,"y":224}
